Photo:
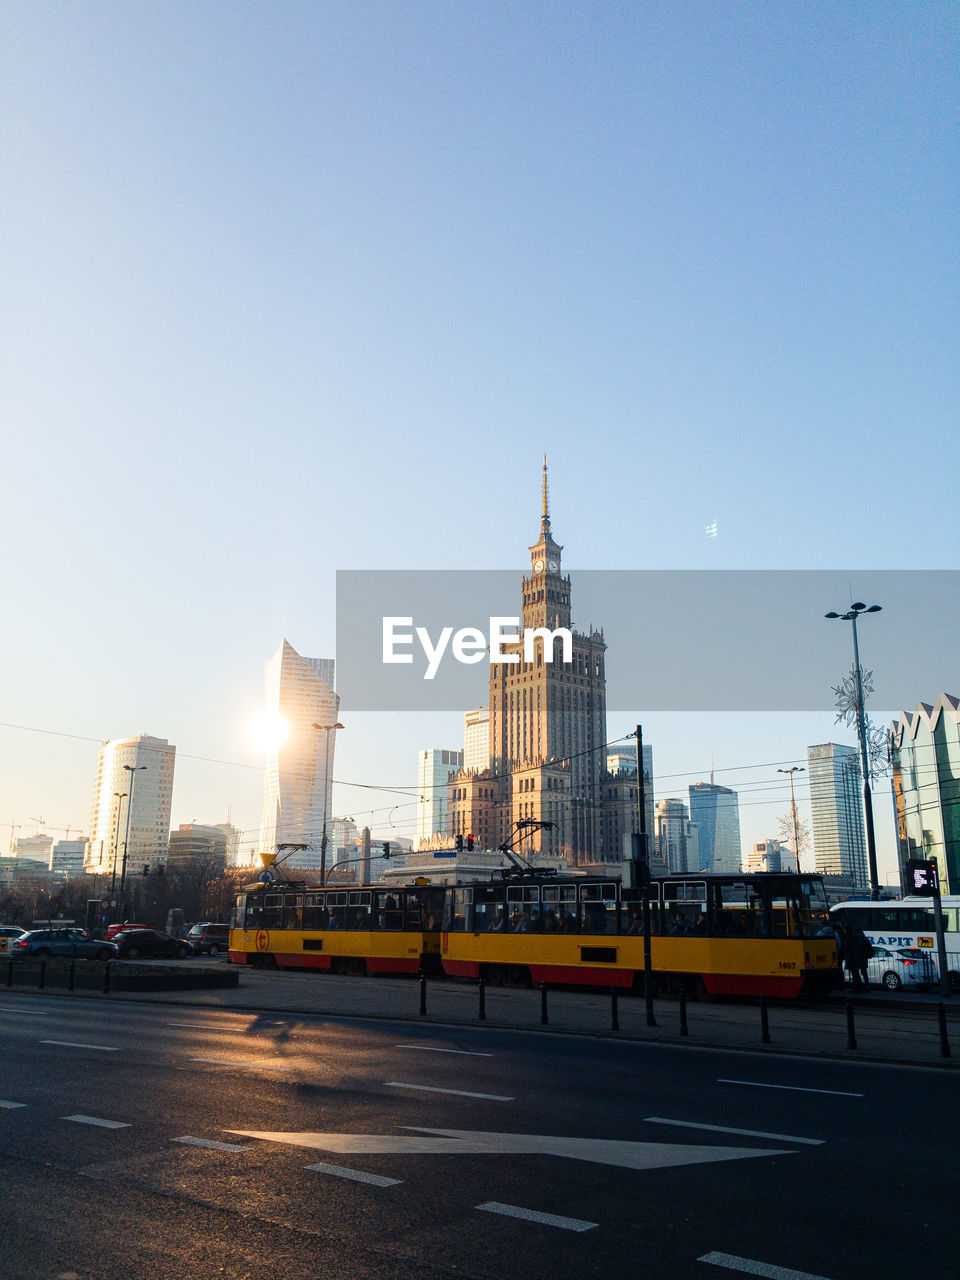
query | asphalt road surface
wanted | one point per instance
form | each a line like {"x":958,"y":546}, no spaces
{"x":142,"y":1141}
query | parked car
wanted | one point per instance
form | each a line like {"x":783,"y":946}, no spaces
{"x":8,"y":935}
{"x":114,"y":929}
{"x":896,"y":967}
{"x":62,"y":942}
{"x":209,"y":939}
{"x":149,"y":942}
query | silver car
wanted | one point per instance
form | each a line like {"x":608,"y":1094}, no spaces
{"x":896,"y":967}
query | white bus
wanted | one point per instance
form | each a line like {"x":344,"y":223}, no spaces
{"x":908,"y":922}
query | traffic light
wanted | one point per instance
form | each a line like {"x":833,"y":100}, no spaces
{"x":459,"y":844}
{"x":386,"y":848}
{"x":470,"y":844}
{"x":146,"y":870}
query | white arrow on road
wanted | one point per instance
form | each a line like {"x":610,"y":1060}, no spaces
{"x":627,"y":1155}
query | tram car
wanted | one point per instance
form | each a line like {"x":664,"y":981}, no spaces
{"x":767,"y":934}
{"x":290,"y":925}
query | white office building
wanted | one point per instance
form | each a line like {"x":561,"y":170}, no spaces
{"x":132,"y":798}
{"x":67,"y":858}
{"x":434,"y":767}
{"x":678,"y":843}
{"x":301,"y":710}
{"x":476,"y":739}
{"x":836,"y":812}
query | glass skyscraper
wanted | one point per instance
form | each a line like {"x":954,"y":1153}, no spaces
{"x":298,"y":777}
{"x":926,"y":786}
{"x":836,"y":812}
{"x":433,"y":769}
{"x":716,"y":811}
{"x":143,"y":766}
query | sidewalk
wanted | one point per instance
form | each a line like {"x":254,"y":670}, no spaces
{"x":888,"y":1028}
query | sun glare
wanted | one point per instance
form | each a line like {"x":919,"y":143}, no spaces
{"x":269,"y":731}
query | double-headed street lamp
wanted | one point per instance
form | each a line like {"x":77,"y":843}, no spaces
{"x":796,"y":768}
{"x":851,"y":616}
{"x":327,"y":729}
{"x":119,"y":796}
{"x":133,"y":770}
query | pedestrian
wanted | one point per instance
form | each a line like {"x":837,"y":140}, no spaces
{"x":838,"y":936}
{"x":857,"y":951}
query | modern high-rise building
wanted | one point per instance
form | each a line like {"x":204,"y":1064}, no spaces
{"x":67,"y":857}
{"x":836,"y":812}
{"x":434,"y":768}
{"x":302,"y":710}
{"x":548,"y":719}
{"x":678,"y":842}
{"x":926,"y":786}
{"x":476,"y":740}
{"x":716,"y":811}
{"x":195,"y":846}
{"x":769,"y":855}
{"x":37,"y":847}
{"x":620,"y":802}
{"x":132,"y":798}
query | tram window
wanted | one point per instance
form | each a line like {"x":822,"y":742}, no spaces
{"x":459,"y":903}
{"x":272,"y":911}
{"x":253,"y":916}
{"x":523,"y":908}
{"x":559,"y":908}
{"x":314,"y":914}
{"x":413,"y":914}
{"x":489,"y":913}
{"x":599,"y":906}
{"x":359,"y":910}
{"x":389,"y":915}
{"x":292,"y":903}
{"x":337,"y":907}
{"x":431,"y":902}
{"x":684,"y":907}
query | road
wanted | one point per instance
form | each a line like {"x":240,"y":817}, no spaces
{"x":143,"y":1141}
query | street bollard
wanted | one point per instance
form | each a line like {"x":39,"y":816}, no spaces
{"x":944,"y":1042}
{"x":764,"y":1021}
{"x":851,"y":1029}
{"x":106,"y":978}
{"x":683,"y":1012}
{"x":482,"y":1015}
{"x":614,"y":1018}
{"x":71,"y":974}
{"x":544,"y":1020}
{"x":423,"y":996}
{"x":43,"y":975}
{"x":10,"y":972}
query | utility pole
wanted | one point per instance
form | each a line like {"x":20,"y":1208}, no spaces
{"x":643,"y":875}
{"x":797,"y":768}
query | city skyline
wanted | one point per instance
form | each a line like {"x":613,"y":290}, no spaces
{"x":273,"y":313}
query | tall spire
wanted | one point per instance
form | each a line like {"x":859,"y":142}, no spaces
{"x":545,"y":513}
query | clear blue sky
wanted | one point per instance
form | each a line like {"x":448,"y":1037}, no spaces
{"x":293,"y":288}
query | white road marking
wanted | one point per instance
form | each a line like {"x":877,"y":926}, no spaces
{"x":33,"y":1013}
{"x":209,"y":1145}
{"x":423,"y":1141}
{"x":531,"y":1215}
{"x":355,"y":1175}
{"x":205,"y":1026}
{"x":792,"y":1088}
{"x":457,"y":1093}
{"x":235,"y":1062}
{"x":103,"y":1124}
{"x":73,"y":1044}
{"x":751,"y":1268}
{"x":429,"y":1048}
{"x":746,"y":1133}
{"x":10,"y":1106}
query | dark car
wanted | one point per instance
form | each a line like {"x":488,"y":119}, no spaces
{"x":149,"y":942}
{"x":209,"y":939}
{"x":62,"y":942}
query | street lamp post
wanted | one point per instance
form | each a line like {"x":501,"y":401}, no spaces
{"x":797,"y":768}
{"x":328,"y":729}
{"x":851,"y":616}
{"x":119,"y":795}
{"x":133,"y":770}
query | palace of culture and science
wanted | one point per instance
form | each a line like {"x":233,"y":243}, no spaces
{"x":547,"y":734}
